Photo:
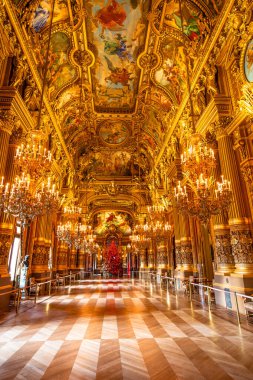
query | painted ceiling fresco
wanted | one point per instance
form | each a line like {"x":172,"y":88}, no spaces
{"x":248,"y":62}
{"x":113,"y":133}
{"x":115,"y":107}
{"x":117,"y":30}
{"x":104,"y":220}
{"x":42,"y":13}
{"x":109,"y":163}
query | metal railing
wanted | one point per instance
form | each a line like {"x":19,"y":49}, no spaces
{"x":213,"y":299}
{"x":38,"y":291}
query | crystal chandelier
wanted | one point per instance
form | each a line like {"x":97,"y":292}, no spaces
{"x":203,"y":203}
{"x":198,"y":158}
{"x":19,"y":201}
{"x":50,"y":197}
{"x":246,"y":102}
{"x":75,"y":233}
{"x":72,"y":211}
{"x":156,"y":210}
{"x":63,"y":232}
{"x":33,"y":158}
{"x":198,"y":163}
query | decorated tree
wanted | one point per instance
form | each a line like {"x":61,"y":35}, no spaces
{"x":112,"y":259}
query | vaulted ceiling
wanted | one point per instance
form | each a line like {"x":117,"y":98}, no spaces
{"x":116,"y":76}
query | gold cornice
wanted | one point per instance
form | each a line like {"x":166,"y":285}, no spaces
{"x":20,"y":109}
{"x":211,"y":43}
{"x":30,"y":60}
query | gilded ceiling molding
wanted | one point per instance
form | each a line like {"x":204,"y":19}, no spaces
{"x":31,"y":62}
{"x":221,"y":19}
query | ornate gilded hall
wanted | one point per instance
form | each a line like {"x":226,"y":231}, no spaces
{"x":126,"y":189}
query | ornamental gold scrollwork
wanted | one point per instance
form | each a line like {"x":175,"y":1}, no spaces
{"x":186,"y":254}
{"x":40,"y":255}
{"x":148,"y":61}
{"x":224,"y":249}
{"x":242,"y":248}
{"x":5,"y":243}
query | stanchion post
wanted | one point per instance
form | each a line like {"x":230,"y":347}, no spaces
{"x":237,"y":310}
{"x":209,"y":299}
{"x":190,"y":290}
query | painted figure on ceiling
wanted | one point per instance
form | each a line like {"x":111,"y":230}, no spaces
{"x":41,"y":16}
{"x":111,"y":16}
{"x":118,"y":74}
{"x":187,"y":19}
{"x":117,"y":47}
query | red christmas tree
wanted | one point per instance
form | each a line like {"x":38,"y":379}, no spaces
{"x":112,"y":259}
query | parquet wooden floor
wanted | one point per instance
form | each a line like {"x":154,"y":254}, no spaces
{"x":111,"y":330}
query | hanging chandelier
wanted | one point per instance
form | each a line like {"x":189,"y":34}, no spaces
{"x":206,"y":200}
{"x":198,"y":158}
{"x":18,"y":200}
{"x":24,"y":203}
{"x":72,"y":211}
{"x":75,"y":234}
{"x":34,"y":159}
{"x":50,"y":197}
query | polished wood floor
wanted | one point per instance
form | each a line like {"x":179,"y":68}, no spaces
{"x":113,"y":330}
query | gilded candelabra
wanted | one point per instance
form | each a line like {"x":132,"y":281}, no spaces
{"x":34,"y":158}
{"x":205,"y":200}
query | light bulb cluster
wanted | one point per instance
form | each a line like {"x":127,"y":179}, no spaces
{"x":19,"y":199}
{"x":34,"y":159}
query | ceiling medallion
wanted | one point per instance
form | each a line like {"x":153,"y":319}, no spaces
{"x":114,"y":132}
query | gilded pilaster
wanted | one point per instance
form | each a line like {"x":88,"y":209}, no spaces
{"x":40,"y":249}
{"x":73,"y":254}
{"x":223,"y":249}
{"x":185,"y":246}
{"x":241,"y":241}
{"x":81,"y":259}
{"x":143,"y":258}
{"x":6,"y":221}
{"x":62,"y":257}
{"x":177,"y":239}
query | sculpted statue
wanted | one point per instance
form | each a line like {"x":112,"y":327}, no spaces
{"x":31,"y":94}
{"x":20,"y":73}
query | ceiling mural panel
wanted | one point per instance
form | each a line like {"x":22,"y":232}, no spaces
{"x":189,"y":18}
{"x":108,"y":163}
{"x":117,"y":30}
{"x":42,"y":12}
{"x":70,"y":94}
{"x":172,"y":74}
{"x":60,"y":71}
{"x":248,"y":62}
{"x":113,"y":133}
{"x":104,"y":221}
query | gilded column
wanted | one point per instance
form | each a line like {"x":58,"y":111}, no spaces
{"x":223,"y":249}
{"x":241,"y":240}
{"x":224,"y":258}
{"x":73,"y":253}
{"x":62,"y":257}
{"x":186,"y":246}
{"x":81,"y":258}
{"x":6,"y":222}
{"x":176,"y":218}
{"x":41,"y":248}
{"x":142,"y":253}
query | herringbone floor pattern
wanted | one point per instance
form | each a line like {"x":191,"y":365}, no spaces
{"x":111,"y":330}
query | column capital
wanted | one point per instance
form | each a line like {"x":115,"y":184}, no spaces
{"x":220,"y":125}
{"x":7,"y":121}
{"x":17,"y":135}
